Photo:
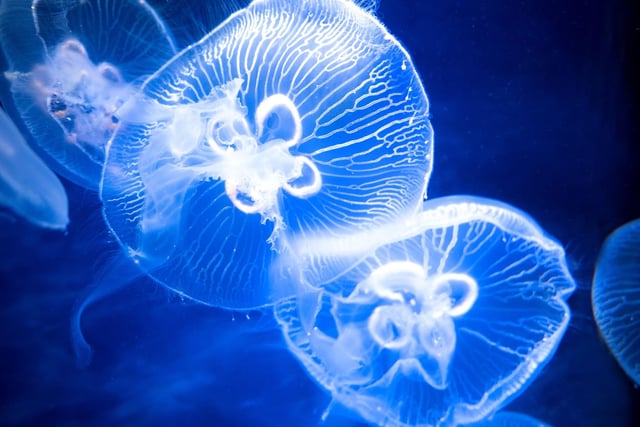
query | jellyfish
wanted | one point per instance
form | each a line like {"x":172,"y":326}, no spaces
{"x":289,"y":119}
{"x":616,"y":296}
{"x":437,"y":320}
{"x":27,"y":186}
{"x":72,"y":64}
{"x":509,"y":419}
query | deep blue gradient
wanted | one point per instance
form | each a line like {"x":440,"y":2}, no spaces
{"x":534,"y":103}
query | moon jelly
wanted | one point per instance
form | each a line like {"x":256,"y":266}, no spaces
{"x":292,"y":118}
{"x":27,"y":186}
{"x":71,"y":67}
{"x":616,"y":296}
{"x":435,"y":321}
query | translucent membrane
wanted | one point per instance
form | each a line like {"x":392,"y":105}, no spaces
{"x":509,"y":419}
{"x":616,"y":296}
{"x":27,"y":186}
{"x":290,"y":119}
{"x":72,"y":64}
{"x":434,"y":321}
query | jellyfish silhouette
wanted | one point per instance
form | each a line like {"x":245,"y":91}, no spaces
{"x":72,"y":64}
{"x":616,"y":296}
{"x":509,"y":419}
{"x":292,"y":118}
{"x":27,"y":186}
{"x":436,"y":321}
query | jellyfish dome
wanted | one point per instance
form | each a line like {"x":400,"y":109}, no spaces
{"x":616,"y":296}
{"x":27,"y":186}
{"x":441,"y":321}
{"x":72,"y":64}
{"x":292,"y":118}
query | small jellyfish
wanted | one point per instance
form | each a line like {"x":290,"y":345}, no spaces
{"x":434,"y":321}
{"x":27,"y":186}
{"x":72,"y":64}
{"x":509,"y":419}
{"x":290,"y":119}
{"x":616,"y":296}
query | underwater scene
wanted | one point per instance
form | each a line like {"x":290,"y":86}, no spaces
{"x":330,"y":213}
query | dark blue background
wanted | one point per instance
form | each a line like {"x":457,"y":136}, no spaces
{"x":534,"y":102}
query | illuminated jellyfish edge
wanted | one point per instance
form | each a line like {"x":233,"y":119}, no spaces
{"x":505,"y":391}
{"x":438,"y":214}
{"x":608,"y":304}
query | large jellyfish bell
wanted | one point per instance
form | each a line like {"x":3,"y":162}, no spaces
{"x":292,"y":118}
{"x":440,"y":320}
{"x":27,"y":186}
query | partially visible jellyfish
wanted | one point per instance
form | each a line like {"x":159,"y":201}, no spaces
{"x":438,"y":321}
{"x":72,"y":64}
{"x":509,"y":419}
{"x":290,"y":119}
{"x":616,"y":296}
{"x":27,"y":186}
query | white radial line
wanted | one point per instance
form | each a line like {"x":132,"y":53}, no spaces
{"x":338,"y":66}
{"x":344,"y":112}
{"x":351,"y":84}
{"x":333,"y":76}
{"x":486,"y":245}
{"x":265,"y":57}
{"x":453,"y":241}
{"x":272,"y":58}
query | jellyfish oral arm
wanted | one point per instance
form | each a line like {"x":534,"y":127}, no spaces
{"x":414,"y":314}
{"x":214,"y":140}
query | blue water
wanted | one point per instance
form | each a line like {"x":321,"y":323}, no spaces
{"x":533,"y":103}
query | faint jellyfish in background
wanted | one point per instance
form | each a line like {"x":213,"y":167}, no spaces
{"x":27,"y":186}
{"x":434,"y":321}
{"x":616,"y":296}
{"x":71,"y":65}
{"x":509,"y":419}
{"x":290,"y":119}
